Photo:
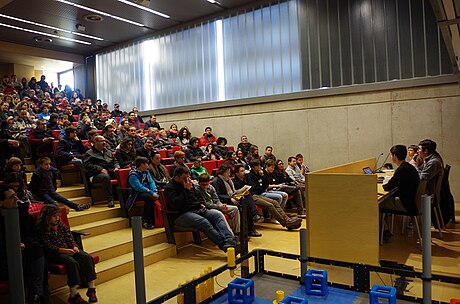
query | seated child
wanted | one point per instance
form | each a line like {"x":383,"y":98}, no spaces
{"x":43,"y":185}
{"x":60,"y":247}
{"x":197,"y":169}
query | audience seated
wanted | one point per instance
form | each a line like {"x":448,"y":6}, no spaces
{"x":194,"y":151}
{"x":116,"y":111}
{"x":210,"y":153}
{"x":159,"y":172}
{"x":244,"y":145}
{"x":271,"y":205}
{"x":268,"y":155}
{"x":228,"y":195}
{"x":152,"y":123}
{"x":41,"y":140}
{"x":231,"y":161}
{"x":136,"y":113}
{"x":173,"y":131}
{"x":179,"y":161}
{"x":209,"y":195}
{"x":193,"y":211}
{"x":133,"y":121}
{"x":207,"y":138}
{"x":261,"y":184}
{"x":43,"y":185}
{"x":147,"y":149}
{"x":197,"y":169}
{"x":134,"y":137}
{"x":60,"y":247}
{"x":283,"y":185}
{"x":125,"y":153}
{"x":241,"y":159}
{"x":100,"y":166}
{"x":183,"y":137}
{"x":71,"y":148}
{"x":412,"y":153}
{"x":84,"y":126}
{"x":300,"y":164}
{"x":143,"y":188}
{"x":111,"y":138}
{"x":221,"y":149}
{"x":253,"y":153}
{"x":295,"y":172}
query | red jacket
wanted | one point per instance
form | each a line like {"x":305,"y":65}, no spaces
{"x":204,"y":141}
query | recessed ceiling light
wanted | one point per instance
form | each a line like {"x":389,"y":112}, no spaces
{"x":93,"y":18}
{"x":43,"y":33}
{"x":49,"y":26}
{"x":43,"y":39}
{"x":100,"y":12}
{"x":144,"y":8}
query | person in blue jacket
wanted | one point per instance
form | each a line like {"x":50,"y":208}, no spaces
{"x":143,"y":188}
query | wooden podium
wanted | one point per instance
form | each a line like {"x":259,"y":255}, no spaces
{"x":343,"y":213}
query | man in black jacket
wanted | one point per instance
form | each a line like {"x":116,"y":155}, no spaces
{"x":101,"y":165}
{"x":70,"y":147}
{"x":406,"y":179}
{"x":146,"y":150}
{"x":192,"y":211}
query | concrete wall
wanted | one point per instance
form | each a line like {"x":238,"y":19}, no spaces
{"x":22,"y":70}
{"x":6,"y":69}
{"x":342,"y":128}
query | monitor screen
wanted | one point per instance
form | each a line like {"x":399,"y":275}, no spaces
{"x":367,"y":170}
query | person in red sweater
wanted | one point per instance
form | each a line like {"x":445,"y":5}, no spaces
{"x":207,"y":137}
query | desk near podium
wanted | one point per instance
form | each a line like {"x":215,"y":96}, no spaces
{"x":343,"y":213}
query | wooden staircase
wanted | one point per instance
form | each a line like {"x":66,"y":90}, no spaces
{"x":110,"y":237}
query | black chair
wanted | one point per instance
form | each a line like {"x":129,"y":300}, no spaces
{"x":414,"y":215}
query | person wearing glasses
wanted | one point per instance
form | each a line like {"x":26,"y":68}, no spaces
{"x":101,"y":166}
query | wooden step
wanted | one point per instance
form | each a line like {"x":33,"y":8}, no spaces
{"x":103,"y":226}
{"x":72,"y":191}
{"x":29,"y":167}
{"x":93,"y":214}
{"x":121,"y":265}
{"x":116,"y":243}
{"x":28,"y":161}
{"x":116,"y":267}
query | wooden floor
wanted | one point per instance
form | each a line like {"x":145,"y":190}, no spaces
{"x":191,"y":260}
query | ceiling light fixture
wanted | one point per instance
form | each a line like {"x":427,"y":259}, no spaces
{"x":144,"y":8}
{"x":100,"y":12}
{"x":49,"y":26}
{"x":213,"y":2}
{"x":43,"y":33}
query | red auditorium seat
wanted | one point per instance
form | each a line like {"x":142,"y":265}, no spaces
{"x":141,"y":125}
{"x":167,"y":161}
{"x":55,"y":133}
{"x":210,"y":165}
{"x":163,"y":153}
{"x":75,"y":117}
{"x":220,"y":162}
{"x":123,"y":193}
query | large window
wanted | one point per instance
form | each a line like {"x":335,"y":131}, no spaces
{"x":66,"y":78}
{"x":251,"y":54}
{"x":285,"y":47}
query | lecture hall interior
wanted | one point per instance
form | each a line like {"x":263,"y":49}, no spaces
{"x":339,"y":82}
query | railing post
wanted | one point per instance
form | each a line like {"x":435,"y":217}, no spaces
{"x":138,"y":249}
{"x":14,"y":256}
{"x":426,"y":247}
{"x":303,"y":255}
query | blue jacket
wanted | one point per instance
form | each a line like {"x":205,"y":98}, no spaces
{"x":139,"y":182}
